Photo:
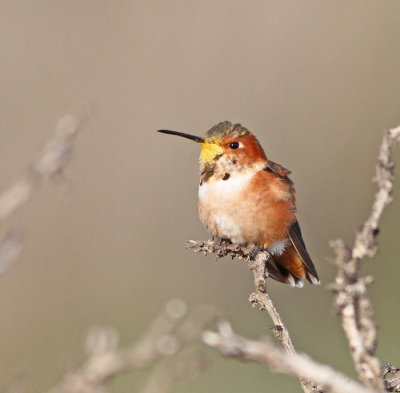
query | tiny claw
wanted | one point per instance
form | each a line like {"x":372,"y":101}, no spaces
{"x":255,"y":251}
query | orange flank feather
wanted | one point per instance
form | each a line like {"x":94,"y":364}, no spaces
{"x":273,"y":210}
{"x":292,"y":262}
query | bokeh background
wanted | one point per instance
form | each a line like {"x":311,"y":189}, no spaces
{"x":317,"y":82}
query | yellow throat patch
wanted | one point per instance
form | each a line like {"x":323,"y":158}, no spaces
{"x":209,"y":150}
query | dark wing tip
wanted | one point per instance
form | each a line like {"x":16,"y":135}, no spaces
{"x":296,"y":238}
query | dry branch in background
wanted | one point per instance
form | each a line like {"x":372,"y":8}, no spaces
{"x":169,"y":335}
{"x":51,"y":161}
{"x":264,"y":352}
{"x":260,"y":297}
{"x":351,"y":297}
{"x":166,"y":376}
{"x":10,"y":249}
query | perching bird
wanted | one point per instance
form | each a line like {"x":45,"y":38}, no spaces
{"x":248,"y":199}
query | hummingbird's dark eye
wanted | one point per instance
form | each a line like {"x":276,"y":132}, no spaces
{"x":234,"y":145}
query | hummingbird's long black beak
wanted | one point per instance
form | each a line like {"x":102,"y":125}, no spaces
{"x":182,"y":134}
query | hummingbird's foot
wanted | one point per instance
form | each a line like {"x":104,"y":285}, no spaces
{"x":221,"y":241}
{"x":255,"y":251}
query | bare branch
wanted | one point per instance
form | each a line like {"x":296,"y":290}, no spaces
{"x":351,"y":297}
{"x":260,"y":297}
{"x":365,"y":243}
{"x":235,"y":346}
{"x":263,"y":300}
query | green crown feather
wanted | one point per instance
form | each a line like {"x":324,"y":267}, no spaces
{"x":226,"y":128}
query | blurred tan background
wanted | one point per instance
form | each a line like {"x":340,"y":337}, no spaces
{"x":317,"y":82}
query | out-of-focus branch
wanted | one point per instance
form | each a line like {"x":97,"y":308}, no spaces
{"x":10,"y":249}
{"x":351,"y":297}
{"x":51,"y":161}
{"x":166,"y":376}
{"x":260,"y":297}
{"x":53,"y":158}
{"x":235,"y":346}
{"x":170,"y":333}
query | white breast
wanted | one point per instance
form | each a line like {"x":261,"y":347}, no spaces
{"x":221,"y":205}
{"x":223,"y":191}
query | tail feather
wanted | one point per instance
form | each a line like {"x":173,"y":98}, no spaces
{"x":276,"y":272}
{"x":294,"y":264}
{"x":279,"y":272}
{"x":296,"y":238}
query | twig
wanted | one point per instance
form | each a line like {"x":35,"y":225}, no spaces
{"x":260,"y":297}
{"x":170,"y":333}
{"x":233,"y":345}
{"x":351,"y":297}
{"x":263,"y":300}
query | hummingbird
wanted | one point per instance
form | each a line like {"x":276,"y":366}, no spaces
{"x":250,"y":200}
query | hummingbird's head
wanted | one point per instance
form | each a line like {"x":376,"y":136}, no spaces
{"x":227,"y":142}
